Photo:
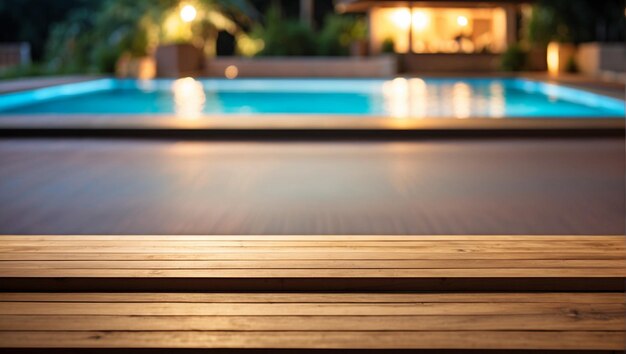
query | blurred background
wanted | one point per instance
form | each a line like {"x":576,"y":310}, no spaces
{"x":51,"y":37}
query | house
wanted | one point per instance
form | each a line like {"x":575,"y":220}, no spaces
{"x":441,"y":35}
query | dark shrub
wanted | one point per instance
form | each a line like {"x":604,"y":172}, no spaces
{"x":388,"y":46}
{"x":514,"y":59}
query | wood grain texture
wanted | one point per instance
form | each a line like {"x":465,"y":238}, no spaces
{"x":314,"y":321}
{"x":320,"y":256}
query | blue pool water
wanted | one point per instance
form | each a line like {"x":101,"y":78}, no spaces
{"x":446,"y":98}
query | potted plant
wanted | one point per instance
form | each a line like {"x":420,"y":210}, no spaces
{"x":358,"y":34}
{"x":176,"y":55}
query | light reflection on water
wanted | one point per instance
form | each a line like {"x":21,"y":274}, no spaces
{"x":189,"y":98}
{"x":414,"y":98}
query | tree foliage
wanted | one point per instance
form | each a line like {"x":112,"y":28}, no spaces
{"x":31,"y":20}
{"x":284,"y":37}
{"x":577,"y":21}
{"x":92,"y":41}
{"x":289,"y":37}
{"x":339,"y":32}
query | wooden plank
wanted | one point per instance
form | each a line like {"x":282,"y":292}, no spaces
{"x":302,"y":309}
{"x":441,"y":247}
{"x":567,"y":340}
{"x":539,"y":322}
{"x":613,"y":244}
{"x":95,"y":262}
{"x":319,"y":273}
{"x":314,"y":264}
{"x":355,"y":255}
{"x":574,"y":298}
{"x":328,"y":238}
{"x":342,"y":321}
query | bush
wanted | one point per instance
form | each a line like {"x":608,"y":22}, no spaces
{"x":388,"y":46}
{"x":285,"y":37}
{"x":514,"y":59}
{"x":29,"y":70}
{"x":338,"y":33}
{"x":571,"y":66}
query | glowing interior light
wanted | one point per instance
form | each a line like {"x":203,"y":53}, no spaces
{"x":553,"y":58}
{"x":188,"y":13}
{"x":420,"y":20}
{"x":402,"y":18}
{"x":462,"y":21}
{"x":231,"y":72}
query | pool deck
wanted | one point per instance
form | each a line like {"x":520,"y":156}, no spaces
{"x":491,"y":186}
{"x":24,"y":84}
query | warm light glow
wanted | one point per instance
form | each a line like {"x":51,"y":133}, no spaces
{"x":147,"y":69}
{"x":418,"y":98}
{"x":189,"y":98}
{"x":462,"y":21}
{"x":420,"y":20}
{"x":188,"y":13}
{"x":406,"y":98}
{"x":231,"y":72}
{"x":401,"y":18}
{"x":553,"y":58}
{"x":396,"y":94}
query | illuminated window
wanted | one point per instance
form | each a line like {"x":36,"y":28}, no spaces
{"x":440,"y":30}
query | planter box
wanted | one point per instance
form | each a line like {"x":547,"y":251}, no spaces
{"x":536,"y":60}
{"x":380,"y":66}
{"x":449,"y":63}
{"x":178,"y":60}
{"x":601,"y":59}
{"x":359,"y":49}
{"x":137,"y":68}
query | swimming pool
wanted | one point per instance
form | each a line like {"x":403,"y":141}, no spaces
{"x":400,"y":97}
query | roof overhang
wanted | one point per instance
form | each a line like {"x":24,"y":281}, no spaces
{"x":365,"y":5}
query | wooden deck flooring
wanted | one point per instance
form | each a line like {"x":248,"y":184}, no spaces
{"x":313,"y":292}
{"x":315,"y":321}
{"x":312,"y":263}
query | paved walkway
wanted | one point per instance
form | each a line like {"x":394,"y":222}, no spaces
{"x":38,"y":82}
{"x":438,"y":187}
